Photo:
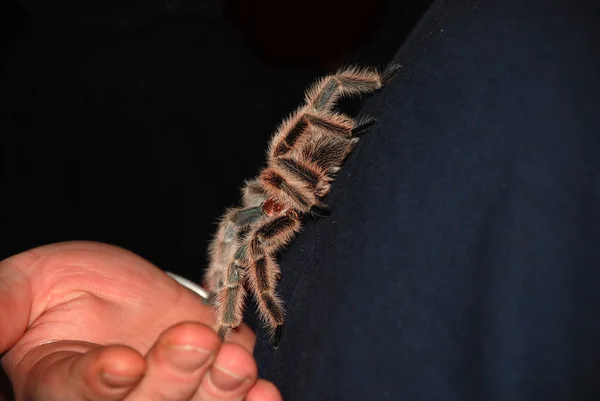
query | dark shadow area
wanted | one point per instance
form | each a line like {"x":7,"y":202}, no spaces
{"x":135,"y":123}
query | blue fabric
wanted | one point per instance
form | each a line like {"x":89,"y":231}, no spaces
{"x":460,"y":261}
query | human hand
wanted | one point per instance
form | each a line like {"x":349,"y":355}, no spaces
{"x":83,"y":321}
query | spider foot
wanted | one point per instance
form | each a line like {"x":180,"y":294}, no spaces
{"x":223,"y":332}
{"x":276,"y":337}
{"x":389,"y":73}
{"x":320,"y":211}
{"x":363,"y":124}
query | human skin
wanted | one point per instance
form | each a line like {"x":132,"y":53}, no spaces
{"x":84,"y":320}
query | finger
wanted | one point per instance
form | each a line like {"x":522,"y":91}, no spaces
{"x":177,"y":363}
{"x":15,"y":302}
{"x":230,"y":377}
{"x":263,"y":391}
{"x":102,"y":373}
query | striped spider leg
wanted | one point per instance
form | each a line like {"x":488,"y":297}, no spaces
{"x":226,"y":241}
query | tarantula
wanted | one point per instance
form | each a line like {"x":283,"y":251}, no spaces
{"x":303,"y":157}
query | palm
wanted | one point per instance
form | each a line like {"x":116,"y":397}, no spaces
{"x":125,"y":302}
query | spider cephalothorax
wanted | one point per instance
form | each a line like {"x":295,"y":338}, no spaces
{"x":304,"y":155}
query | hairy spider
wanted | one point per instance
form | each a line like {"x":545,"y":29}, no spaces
{"x":303,"y":157}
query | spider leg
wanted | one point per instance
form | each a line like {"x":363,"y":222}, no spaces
{"x":363,"y":124}
{"x":227,"y":237}
{"x":335,"y":123}
{"x":329,"y":153}
{"x":286,"y":189}
{"x":319,"y":101}
{"x":320,"y":211}
{"x":226,"y":270}
{"x":295,"y":131}
{"x":350,"y":81}
{"x":230,"y":299}
{"x":273,"y":235}
{"x":264,"y":272}
{"x":389,"y":73}
{"x":226,"y":242}
{"x":305,"y":175}
{"x":290,"y":132}
{"x":221,"y":249}
{"x":252,"y":194}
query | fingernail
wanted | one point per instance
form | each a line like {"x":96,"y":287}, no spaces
{"x":224,"y":379}
{"x":116,"y":381}
{"x":187,"y":357}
